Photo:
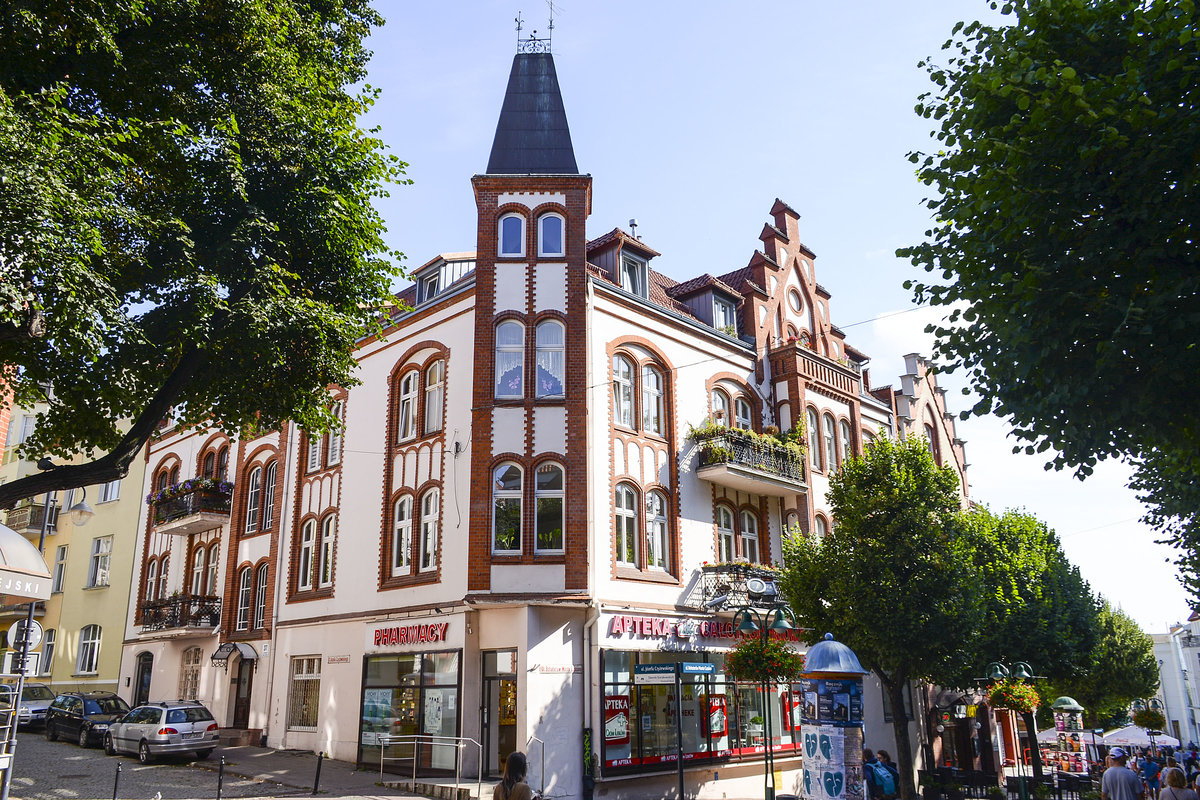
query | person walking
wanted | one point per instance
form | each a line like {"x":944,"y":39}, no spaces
{"x":1176,"y":786}
{"x":512,"y":785}
{"x":885,"y":759}
{"x":1119,"y":781}
{"x":1151,"y":770}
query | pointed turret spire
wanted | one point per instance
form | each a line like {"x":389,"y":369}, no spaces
{"x":532,"y":136}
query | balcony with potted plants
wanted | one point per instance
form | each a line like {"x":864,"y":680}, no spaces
{"x":197,"y":614}
{"x":762,"y":464}
{"x":191,"y":506}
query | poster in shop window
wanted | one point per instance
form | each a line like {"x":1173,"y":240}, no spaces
{"x":716,"y":722}
{"x":433,"y":711}
{"x":616,"y":720}
{"x":793,"y":706}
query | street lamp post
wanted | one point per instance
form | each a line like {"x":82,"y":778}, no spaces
{"x":1021,"y":671}
{"x":776,"y":618}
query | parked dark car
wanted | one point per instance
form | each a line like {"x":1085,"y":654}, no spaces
{"x":159,"y":729}
{"x":83,"y":716}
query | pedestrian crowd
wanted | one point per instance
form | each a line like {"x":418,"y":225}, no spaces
{"x":1151,"y":775}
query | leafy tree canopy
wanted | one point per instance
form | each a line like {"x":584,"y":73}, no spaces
{"x":1064,"y":247}
{"x":186,"y":217}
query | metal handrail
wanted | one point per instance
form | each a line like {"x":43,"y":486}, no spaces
{"x":541,"y":764}
{"x":416,"y":739}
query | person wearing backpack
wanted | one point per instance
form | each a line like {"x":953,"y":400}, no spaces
{"x":886,"y":760}
{"x":881,"y":783}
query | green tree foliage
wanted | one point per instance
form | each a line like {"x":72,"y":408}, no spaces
{"x":896,"y":579}
{"x":1066,"y":196}
{"x":186,"y":217}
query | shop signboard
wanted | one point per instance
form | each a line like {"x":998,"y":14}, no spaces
{"x":832,"y":701}
{"x":616,"y":720}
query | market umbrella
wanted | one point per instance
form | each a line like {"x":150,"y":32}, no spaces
{"x":1137,"y":737}
{"x":1048,"y":735}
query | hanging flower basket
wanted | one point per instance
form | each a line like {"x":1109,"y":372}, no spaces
{"x":1149,"y":719}
{"x":1015,"y":696}
{"x":753,"y":659}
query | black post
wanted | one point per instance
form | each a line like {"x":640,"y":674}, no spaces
{"x":679,"y":723}
{"x":317,"y":778}
{"x":220,"y":777}
{"x":117,"y":780}
{"x":769,"y":781}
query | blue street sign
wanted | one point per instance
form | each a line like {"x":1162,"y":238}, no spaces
{"x":698,"y":668}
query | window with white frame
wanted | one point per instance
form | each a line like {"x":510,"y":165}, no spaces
{"x":551,"y":241}
{"x":333,"y":449}
{"x":748,"y":536}
{"x":725,"y":534}
{"x":268,"y":496}
{"x":100,"y":562}
{"x":626,"y":525}
{"x":724,"y":315}
{"x":314,"y":453}
{"x":210,"y":583}
{"x":551,"y":346}
{"x":548,"y":500}
{"x":633,"y":277}
{"x":506,"y":509}
{"x":744,"y":418}
{"x":252,"y":499}
{"x":60,"y":568}
{"x":163,"y":563}
{"x":720,"y":408}
{"x":304,"y":693}
{"x":510,"y":359}
{"x":189,"y":673}
{"x":308,"y":548}
{"x":819,"y":526}
{"x":407,"y":422}
{"x":814,"y":439}
{"x":152,"y":579}
{"x":656,"y":530}
{"x":435,"y":377}
{"x":847,"y":439}
{"x":245,"y":593}
{"x":222,"y":463}
{"x":48,"y":650}
{"x":831,"y":450}
{"x":430,"y":509}
{"x":429,"y":286}
{"x":110,"y":491}
{"x":512,"y":235}
{"x":88,"y":659}
{"x":198,"y":569}
{"x":402,"y":536}
{"x":259,"y":620}
{"x":652,"y":400}
{"x":622,"y":391}
{"x":325,"y":565}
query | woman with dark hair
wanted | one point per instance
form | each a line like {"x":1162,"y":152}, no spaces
{"x":513,"y":786}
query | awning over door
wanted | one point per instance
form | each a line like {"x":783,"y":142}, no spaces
{"x":229,"y":648}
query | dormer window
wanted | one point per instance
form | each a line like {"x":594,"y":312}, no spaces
{"x":550,"y":235}
{"x":512,"y":235}
{"x":724,"y":316}
{"x":633,"y":277}
{"x":429,"y":287}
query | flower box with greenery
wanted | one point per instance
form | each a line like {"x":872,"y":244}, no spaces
{"x":775,"y":452}
{"x":189,"y":486}
{"x":1150,"y":719}
{"x":1015,"y":696}
{"x":757,"y":659}
{"x":193,"y":496}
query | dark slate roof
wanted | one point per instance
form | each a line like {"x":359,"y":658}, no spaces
{"x":532,"y":136}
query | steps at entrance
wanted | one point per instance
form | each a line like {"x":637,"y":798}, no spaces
{"x":438,"y":791}
{"x":235,"y":737}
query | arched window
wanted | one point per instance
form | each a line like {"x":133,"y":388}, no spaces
{"x":656,"y":530}
{"x":745,"y":414}
{"x":210,"y":585}
{"x":931,"y":437}
{"x":814,"y":439}
{"x":847,"y":440}
{"x":725,"y":534}
{"x":551,"y":358}
{"x":210,"y":465}
{"x":819,"y":526}
{"x":652,"y":400}
{"x":622,"y":391}
{"x":551,"y":241}
{"x":164,"y":480}
{"x":308,"y":546}
{"x":506,"y":509}
{"x":325,"y":565}
{"x":260,"y":598}
{"x":252,"y":499}
{"x":548,"y":501}
{"x":748,"y":536}
{"x":152,"y":579}
{"x":512,"y":235}
{"x":407,"y":421}
{"x":626,"y":525}
{"x":333,"y":452}
{"x":163,"y":563}
{"x":831,"y":451}
{"x":720,"y":408}
{"x":174,"y":476}
{"x":268,"y":502}
{"x":402,"y":537}
{"x":245,"y":592}
{"x":198,"y":570}
{"x":510,"y":360}
{"x":88,"y":660}
{"x":223,"y":463}
{"x":430,"y":509}
{"x":434,"y":386}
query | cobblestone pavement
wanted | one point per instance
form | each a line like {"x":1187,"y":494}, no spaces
{"x":64,"y":771}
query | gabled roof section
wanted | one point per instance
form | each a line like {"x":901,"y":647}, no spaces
{"x":532,"y":136}
{"x":618,"y":236}
{"x":742,"y":280}
{"x":700,"y":283}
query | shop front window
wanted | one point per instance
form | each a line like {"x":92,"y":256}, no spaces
{"x":405,"y":695}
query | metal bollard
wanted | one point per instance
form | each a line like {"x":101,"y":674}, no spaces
{"x":220,"y":777}
{"x":317,"y":778}
{"x":117,"y":780}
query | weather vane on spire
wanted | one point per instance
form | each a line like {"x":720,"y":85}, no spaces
{"x":532,"y":44}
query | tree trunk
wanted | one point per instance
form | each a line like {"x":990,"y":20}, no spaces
{"x":904,"y":761}
{"x":1035,"y":755}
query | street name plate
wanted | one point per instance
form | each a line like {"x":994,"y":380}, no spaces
{"x":654,"y":674}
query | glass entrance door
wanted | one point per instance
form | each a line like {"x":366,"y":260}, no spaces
{"x":499,"y":712}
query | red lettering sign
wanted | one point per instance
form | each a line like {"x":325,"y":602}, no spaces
{"x":411,"y":634}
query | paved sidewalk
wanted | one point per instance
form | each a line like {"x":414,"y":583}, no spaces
{"x":297,"y":769}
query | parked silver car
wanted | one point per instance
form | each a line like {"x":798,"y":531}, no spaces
{"x":157,"y":729}
{"x":35,"y":699}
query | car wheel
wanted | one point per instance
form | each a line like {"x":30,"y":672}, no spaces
{"x":203,"y":753}
{"x":109,"y":748}
{"x":51,"y":733}
{"x":144,"y":754}
{"x":85,"y":737}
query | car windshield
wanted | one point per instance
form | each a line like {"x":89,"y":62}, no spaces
{"x":189,"y":714}
{"x":105,"y":705}
{"x":36,"y":693}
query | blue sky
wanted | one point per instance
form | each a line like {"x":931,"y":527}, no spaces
{"x":693,"y":117}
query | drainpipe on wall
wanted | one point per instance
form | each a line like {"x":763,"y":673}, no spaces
{"x":280,"y":549}
{"x":589,"y":627}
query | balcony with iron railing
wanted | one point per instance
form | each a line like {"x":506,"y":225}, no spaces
{"x":193,"y":506}
{"x":749,"y":462}
{"x":27,"y":519}
{"x":196,"y":613}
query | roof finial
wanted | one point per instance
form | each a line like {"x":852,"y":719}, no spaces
{"x":532,"y":44}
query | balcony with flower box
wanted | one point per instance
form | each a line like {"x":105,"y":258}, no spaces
{"x":750,"y":462}
{"x":182,"y":614}
{"x":193,"y":506}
